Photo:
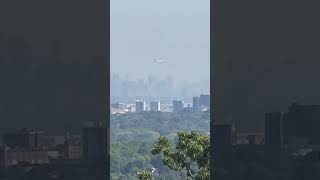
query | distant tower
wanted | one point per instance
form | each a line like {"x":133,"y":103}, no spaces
{"x":155,"y":106}
{"x":140,"y":106}
{"x":25,"y":138}
{"x":177,"y":106}
{"x":117,"y":105}
{"x":273,"y":129}
{"x":94,"y":144}
{"x":224,"y":136}
{"x":4,"y":156}
{"x":195,"y":104}
{"x":302,"y":124}
{"x":204,"y":100}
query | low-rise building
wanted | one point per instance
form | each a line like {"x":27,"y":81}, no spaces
{"x":11,"y":157}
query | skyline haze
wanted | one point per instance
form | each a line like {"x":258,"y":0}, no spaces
{"x":178,"y":32}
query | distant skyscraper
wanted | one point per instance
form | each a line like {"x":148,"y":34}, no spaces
{"x":72,"y":147}
{"x":24,"y":138}
{"x":117,"y":105}
{"x":155,"y":106}
{"x":13,"y":157}
{"x":204,"y":100}
{"x":224,"y":136}
{"x":303,"y":124}
{"x":177,"y":106}
{"x":140,"y":106}
{"x":195,"y":103}
{"x":273,"y":129}
{"x":3,"y":155}
{"x":94,"y":145}
{"x":286,"y":129}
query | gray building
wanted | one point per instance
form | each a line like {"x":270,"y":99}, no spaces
{"x":140,"y":106}
{"x":224,"y":136}
{"x":94,"y":141}
{"x":24,"y":138}
{"x":117,"y":105}
{"x":195,"y":104}
{"x":302,"y":124}
{"x":177,"y":106}
{"x":12,"y":157}
{"x":155,"y":106}
{"x":273,"y":129}
{"x":204,"y":101}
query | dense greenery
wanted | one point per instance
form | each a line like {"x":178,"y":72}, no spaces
{"x":145,"y":175}
{"x":134,"y":134}
{"x":190,"y":155}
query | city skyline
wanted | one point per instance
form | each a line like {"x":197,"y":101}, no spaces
{"x":125,"y":89}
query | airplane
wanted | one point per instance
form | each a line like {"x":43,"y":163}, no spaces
{"x":159,"y":61}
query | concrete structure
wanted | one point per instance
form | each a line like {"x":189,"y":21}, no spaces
{"x":73,"y":148}
{"x":155,"y":106}
{"x":177,"y":106}
{"x":273,"y":129}
{"x":204,"y":101}
{"x":117,"y":105}
{"x":303,"y":124}
{"x":195,"y":104}
{"x":24,"y":138}
{"x":4,"y":156}
{"x":140,"y":106}
{"x":93,"y":144}
{"x":224,"y":136}
{"x":11,"y":157}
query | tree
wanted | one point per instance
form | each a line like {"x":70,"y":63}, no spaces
{"x":145,"y":175}
{"x":191,"y":154}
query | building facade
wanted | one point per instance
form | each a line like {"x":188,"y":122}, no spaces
{"x":140,"y":106}
{"x":94,"y":144}
{"x":117,"y":105}
{"x":177,"y":106}
{"x":155,"y":106}
{"x":11,"y":157}
{"x":195,"y":104}
{"x":273,"y":129}
{"x":204,"y":101}
{"x":303,"y":124}
{"x":24,"y":138}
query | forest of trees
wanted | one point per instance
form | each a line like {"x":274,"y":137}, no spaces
{"x":190,"y":155}
{"x":133,"y":136}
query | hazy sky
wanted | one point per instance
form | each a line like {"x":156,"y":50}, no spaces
{"x":175,"y":30}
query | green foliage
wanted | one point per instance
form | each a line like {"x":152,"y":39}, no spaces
{"x":133,"y":134}
{"x":191,"y":154}
{"x":145,"y":175}
{"x":127,"y":127}
{"x":127,"y":158}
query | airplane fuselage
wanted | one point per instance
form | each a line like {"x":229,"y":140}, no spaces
{"x":159,"y":61}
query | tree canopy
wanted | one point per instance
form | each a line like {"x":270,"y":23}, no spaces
{"x":190,"y":154}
